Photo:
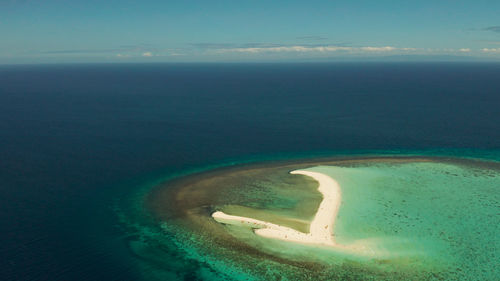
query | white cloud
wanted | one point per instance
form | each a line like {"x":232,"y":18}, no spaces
{"x":378,"y":49}
{"x":308,"y":49}
{"x":147,"y":54}
{"x":285,"y":49}
{"x":486,"y":50}
{"x":449,"y":50}
{"x":123,"y":55}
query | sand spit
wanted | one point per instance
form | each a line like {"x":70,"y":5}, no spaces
{"x":321,"y":227}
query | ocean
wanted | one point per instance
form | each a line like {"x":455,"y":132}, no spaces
{"x":81,"y":145}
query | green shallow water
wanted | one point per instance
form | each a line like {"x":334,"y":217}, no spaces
{"x":423,"y":219}
{"x":439,"y":214}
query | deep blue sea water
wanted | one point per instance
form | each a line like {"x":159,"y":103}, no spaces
{"x":79,"y":143}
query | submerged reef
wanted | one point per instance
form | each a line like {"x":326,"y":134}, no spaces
{"x":419,"y":218}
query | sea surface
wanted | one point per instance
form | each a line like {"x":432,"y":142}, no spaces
{"x":82,"y":145}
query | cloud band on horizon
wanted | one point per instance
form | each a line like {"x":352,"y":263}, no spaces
{"x":322,"y":49}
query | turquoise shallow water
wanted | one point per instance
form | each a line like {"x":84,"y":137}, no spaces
{"x":437,"y":218}
{"x":443,"y":214}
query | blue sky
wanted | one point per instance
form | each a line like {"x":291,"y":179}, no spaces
{"x":53,"y":31}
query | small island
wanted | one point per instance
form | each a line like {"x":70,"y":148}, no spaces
{"x":321,"y":228}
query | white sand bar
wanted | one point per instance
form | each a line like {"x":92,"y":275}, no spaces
{"x":321,"y":228}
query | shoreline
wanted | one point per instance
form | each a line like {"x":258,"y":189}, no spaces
{"x":321,"y":227}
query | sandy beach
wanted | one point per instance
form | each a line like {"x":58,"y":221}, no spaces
{"x":321,"y":227}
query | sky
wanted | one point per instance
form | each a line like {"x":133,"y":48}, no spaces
{"x":64,"y":31}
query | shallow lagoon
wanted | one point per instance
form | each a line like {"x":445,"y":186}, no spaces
{"x":423,"y":218}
